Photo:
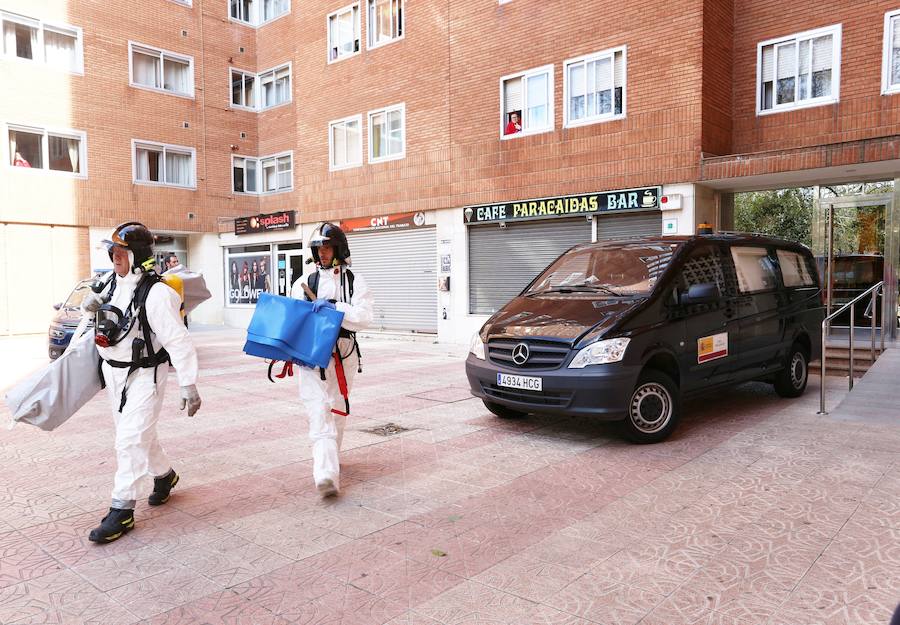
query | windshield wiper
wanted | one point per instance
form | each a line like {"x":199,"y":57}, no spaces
{"x":576,"y":288}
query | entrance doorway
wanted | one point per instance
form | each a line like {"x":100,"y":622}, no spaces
{"x":855,"y":241}
{"x":290,"y":269}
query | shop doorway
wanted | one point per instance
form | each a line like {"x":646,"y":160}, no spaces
{"x":855,"y":241}
{"x":290,"y":269}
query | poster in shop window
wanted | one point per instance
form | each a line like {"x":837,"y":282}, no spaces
{"x":249,"y":276}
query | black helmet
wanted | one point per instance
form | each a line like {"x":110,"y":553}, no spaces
{"x":329,"y":234}
{"x":133,"y":237}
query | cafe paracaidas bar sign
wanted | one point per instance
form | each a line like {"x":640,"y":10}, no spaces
{"x":644,"y":198}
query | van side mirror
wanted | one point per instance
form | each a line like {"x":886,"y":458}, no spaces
{"x":705,"y":293}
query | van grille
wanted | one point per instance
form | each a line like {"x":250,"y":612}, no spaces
{"x":541,"y":354}
{"x":535,"y":398}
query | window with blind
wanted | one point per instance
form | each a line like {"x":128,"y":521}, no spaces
{"x":266,"y":174}
{"x":594,"y":88}
{"x":890,"y":72}
{"x":799,"y":71}
{"x":387,"y":134}
{"x":343,"y":33}
{"x":55,"y":45}
{"x":526,"y":102}
{"x":152,"y":68}
{"x":345,"y":143}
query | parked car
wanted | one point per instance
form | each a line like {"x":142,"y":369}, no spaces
{"x":67,"y":317}
{"x":623,"y":330}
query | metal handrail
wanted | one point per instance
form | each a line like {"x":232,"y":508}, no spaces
{"x":826,"y":326}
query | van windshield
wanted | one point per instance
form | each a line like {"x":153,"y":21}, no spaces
{"x":618,"y":270}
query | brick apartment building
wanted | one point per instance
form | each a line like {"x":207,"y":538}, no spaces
{"x":463,"y":144}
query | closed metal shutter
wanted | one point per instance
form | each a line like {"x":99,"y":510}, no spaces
{"x":502,"y":261}
{"x":627,"y":226}
{"x":401,"y":271}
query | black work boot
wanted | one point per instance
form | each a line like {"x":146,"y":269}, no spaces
{"x":113,"y":526}
{"x":162,"y":486}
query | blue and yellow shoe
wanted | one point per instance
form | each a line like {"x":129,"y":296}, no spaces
{"x":113,"y":526}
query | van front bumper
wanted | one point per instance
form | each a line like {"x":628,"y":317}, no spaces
{"x":599,"y":391}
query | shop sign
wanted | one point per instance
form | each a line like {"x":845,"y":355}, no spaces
{"x":264,"y":223}
{"x":397,"y":221}
{"x":644,"y":198}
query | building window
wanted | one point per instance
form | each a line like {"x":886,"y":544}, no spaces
{"x":38,"y":148}
{"x":161,"y":164}
{"x":55,"y":45}
{"x":799,"y":71}
{"x":343,"y":33}
{"x":387,"y":134}
{"x":526,"y":102}
{"x":243,"y":11}
{"x":345,"y":143}
{"x":276,"y":86}
{"x":161,"y":70}
{"x":890,"y":79}
{"x":271,"y":174}
{"x":186,"y":3}
{"x":258,"y":12}
{"x":243,"y":89}
{"x":274,"y":8}
{"x":385,"y":21}
{"x":595,"y":88}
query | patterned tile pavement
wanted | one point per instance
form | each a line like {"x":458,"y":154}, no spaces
{"x":756,"y":512}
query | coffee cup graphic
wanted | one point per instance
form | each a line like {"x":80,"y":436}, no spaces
{"x":648,"y":201}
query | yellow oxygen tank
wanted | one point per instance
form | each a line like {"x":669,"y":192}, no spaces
{"x":176,"y":283}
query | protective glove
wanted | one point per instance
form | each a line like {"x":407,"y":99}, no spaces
{"x":92,"y":302}
{"x":321,"y":303}
{"x":191,"y":399}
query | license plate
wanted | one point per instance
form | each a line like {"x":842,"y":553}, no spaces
{"x":523,"y":382}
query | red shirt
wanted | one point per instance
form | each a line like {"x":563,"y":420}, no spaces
{"x":512,"y":128}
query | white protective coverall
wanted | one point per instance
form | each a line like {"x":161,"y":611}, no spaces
{"x":319,"y":396}
{"x":138,"y":452}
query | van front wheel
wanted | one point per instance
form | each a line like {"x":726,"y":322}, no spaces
{"x":653,"y":409}
{"x":791,"y":381}
{"x":502,"y":411}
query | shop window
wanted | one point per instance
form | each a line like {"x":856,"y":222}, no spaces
{"x":343,"y":33}
{"x":158,"y":69}
{"x":755,"y":269}
{"x":385,"y":21}
{"x":249,"y":274}
{"x":799,"y":71}
{"x":345,"y":143}
{"x":595,"y":88}
{"x":795,"y":270}
{"x":161,"y":164}
{"x":55,"y":45}
{"x":36,"y":148}
{"x":890,"y":81}
{"x":527,"y":102}
{"x":387,"y":134}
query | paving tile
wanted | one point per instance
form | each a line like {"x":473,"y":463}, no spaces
{"x":601,"y":601}
{"x":124,"y":568}
{"x":221,"y":608}
{"x":22,"y":560}
{"x":163,"y":592}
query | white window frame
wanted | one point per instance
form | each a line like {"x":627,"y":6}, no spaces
{"x":134,"y":46}
{"x":40,"y":56}
{"x":259,"y":86}
{"x":259,"y":173}
{"x":359,"y":161}
{"x":370,"y":28}
{"x":140,"y":143}
{"x":255,"y":20}
{"x":835,"y":30}
{"x":45,"y":132}
{"x":551,"y":119}
{"x":187,"y":3}
{"x":371,"y":128}
{"x":357,"y":34}
{"x":886,"y":87}
{"x":605,"y":117}
{"x":255,"y":106}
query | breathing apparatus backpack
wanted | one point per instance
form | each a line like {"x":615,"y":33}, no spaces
{"x":139,"y":345}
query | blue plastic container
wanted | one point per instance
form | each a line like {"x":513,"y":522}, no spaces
{"x":284,"y":328}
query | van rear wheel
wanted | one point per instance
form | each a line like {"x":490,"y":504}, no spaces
{"x":654,"y":408}
{"x":791,"y":380}
{"x":503,"y":411}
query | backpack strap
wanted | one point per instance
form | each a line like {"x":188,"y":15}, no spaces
{"x":313,"y":281}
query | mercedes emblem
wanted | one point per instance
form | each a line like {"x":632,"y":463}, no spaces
{"x":520,"y":354}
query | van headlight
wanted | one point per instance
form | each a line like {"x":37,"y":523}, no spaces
{"x":600,"y":353}
{"x":477,"y":347}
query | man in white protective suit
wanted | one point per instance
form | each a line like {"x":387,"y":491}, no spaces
{"x":325,"y":392}
{"x":138,"y":331}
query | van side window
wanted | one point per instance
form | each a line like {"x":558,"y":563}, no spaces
{"x":703,"y":266}
{"x":755,"y":269}
{"x":795,"y":269}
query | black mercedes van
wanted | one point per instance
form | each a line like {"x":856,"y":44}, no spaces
{"x":623,"y":330}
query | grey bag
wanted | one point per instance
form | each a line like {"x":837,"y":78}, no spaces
{"x":195,"y":291}
{"x":48,"y":397}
